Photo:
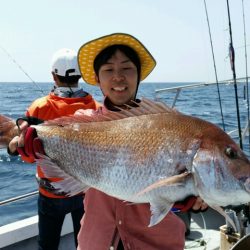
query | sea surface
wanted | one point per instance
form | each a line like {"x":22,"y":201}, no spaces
{"x":18,"y":178}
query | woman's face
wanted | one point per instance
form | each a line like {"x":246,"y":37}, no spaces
{"x":118,"y":79}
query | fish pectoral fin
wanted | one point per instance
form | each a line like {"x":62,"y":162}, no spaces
{"x":69,"y":185}
{"x":159,"y":209}
{"x":49,"y":167}
{"x":168,"y":181}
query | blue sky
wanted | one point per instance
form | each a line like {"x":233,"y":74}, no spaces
{"x":175,"y":32}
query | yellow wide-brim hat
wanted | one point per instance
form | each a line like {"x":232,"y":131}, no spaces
{"x":88,"y":52}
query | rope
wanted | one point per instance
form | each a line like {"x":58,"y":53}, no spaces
{"x":232,"y":61}
{"x":215,"y":70}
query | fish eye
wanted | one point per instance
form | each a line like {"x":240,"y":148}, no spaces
{"x":231,"y":153}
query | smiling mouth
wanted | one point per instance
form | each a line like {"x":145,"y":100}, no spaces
{"x":119,"y":89}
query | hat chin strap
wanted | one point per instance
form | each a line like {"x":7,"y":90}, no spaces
{"x":138,"y":83}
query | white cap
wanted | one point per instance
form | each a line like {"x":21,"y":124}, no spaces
{"x":64,"y":63}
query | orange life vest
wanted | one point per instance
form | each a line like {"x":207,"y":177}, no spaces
{"x":50,"y":107}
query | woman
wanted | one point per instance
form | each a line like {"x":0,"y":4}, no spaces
{"x":117,"y":63}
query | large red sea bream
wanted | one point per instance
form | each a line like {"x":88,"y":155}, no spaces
{"x":149,"y":153}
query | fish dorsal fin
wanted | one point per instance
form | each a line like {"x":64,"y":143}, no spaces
{"x":152,"y":107}
{"x":145,"y":107}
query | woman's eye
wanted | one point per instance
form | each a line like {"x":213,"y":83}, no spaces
{"x":231,"y":153}
{"x":108,"y":70}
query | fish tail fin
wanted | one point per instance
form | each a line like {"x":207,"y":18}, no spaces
{"x":7,"y":130}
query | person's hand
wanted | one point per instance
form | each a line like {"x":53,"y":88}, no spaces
{"x":191,"y":203}
{"x":18,"y":141}
{"x":199,"y":205}
{"x":12,"y":147}
{"x":29,"y":144}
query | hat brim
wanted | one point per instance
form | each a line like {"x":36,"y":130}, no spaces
{"x":88,"y":52}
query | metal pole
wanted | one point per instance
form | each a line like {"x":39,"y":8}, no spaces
{"x":18,"y":198}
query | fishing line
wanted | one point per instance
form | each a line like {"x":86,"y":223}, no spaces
{"x":245,"y":46}
{"x":20,"y":67}
{"x":232,"y":61}
{"x":215,"y":70}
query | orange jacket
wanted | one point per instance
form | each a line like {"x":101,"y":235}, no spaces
{"x":51,"y":107}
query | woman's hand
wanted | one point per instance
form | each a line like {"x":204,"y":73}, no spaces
{"x":27,"y":144}
{"x":199,"y":205}
{"x":191,"y":203}
{"x":18,"y":141}
{"x":13,"y":144}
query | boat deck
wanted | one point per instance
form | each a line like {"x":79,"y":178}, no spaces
{"x":204,"y":230}
{"x":204,"y":233}
{"x":201,"y":239}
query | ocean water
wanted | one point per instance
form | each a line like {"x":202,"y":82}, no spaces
{"x":18,"y":178}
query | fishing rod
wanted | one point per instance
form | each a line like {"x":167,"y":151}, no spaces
{"x":215,"y":70}
{"x":20,"y":67}
{"x":39,"y":88}
{"x":244,"y":208}
{"x":27,"y":195}
{"x":232,"y":61}
{"x":247,"y":87}
{"x":20,"y":197}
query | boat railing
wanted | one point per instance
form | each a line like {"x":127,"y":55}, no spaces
{"x":20,"y":197}
{"x":178,"y":90}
